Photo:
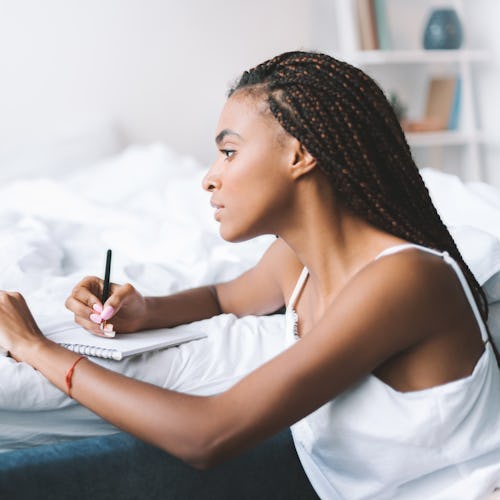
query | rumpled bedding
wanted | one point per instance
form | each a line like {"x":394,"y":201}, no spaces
{"x":148,"y":206}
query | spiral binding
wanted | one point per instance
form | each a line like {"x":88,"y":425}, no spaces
{"x":100,"y":352}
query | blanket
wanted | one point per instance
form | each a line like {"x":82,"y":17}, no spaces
{"x":148,"y":206}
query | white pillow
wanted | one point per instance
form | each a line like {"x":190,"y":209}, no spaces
{"x":58,"y":152}
{"x":481,"y":252}
{"x":492,"y":288}
{"x":494,"y":322}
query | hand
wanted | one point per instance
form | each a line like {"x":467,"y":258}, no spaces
{"x":18,"y":329}
{"x":123,"y":312}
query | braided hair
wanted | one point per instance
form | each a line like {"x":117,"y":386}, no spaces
{"x":344,"y":120}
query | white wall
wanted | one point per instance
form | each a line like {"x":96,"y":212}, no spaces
{"x":159,"y":69}
{"x":483,"y":17}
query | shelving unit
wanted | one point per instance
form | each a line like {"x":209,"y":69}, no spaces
{"x":407,"y":71}
{"x":371,"y":57}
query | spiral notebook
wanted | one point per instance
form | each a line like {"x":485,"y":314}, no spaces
{"x":77,"y":339}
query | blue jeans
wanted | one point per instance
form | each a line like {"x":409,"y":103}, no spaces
{"x":121,"y":467}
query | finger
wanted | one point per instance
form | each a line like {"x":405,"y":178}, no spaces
{"x":92,"y":283}
{"x":94,"y":328}
{"x":108,"y":329}
{"x":79,"y":308}
{"x":88,"y":291}
{"x":16,"y":302}
{"x":16,"y":296}
{"x":86,"y":317}
{"x":83,"y":314}
{"x":89,"y":317}
{"x":116,"y":299}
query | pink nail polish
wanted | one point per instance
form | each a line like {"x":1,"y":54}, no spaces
{"x":97,"y":308}
{"x":96,"y":318}
{"x":108,"y":330}
{"x":107,"y":312}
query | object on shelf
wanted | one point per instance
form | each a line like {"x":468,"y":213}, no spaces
{"x":368,"y":37}
{"x":382,"y":23}
{"x":398,"y":105}
{"x":442,"y":107}
{"x":440,"y":99}
{"x":373,"y":25}
{"x":443,"y":30}
{"x":422,"y":125}
{"x":455,"y":108}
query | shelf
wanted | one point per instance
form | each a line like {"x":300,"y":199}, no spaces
{"x":489,"y":139}
{"x":407,"y":73}
{"x":442,"y":138}
{"x":373,"y":57}
{"x":450,"y":138}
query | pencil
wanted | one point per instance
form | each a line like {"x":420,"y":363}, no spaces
{"x":105,"y":285}
{"x":107,"y":272}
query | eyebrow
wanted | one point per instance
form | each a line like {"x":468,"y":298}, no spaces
{"x":224,"y":133}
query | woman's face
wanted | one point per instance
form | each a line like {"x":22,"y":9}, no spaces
{"x":249,"y":180}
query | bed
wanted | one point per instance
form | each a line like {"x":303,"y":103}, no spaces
{"x":146,"y":203}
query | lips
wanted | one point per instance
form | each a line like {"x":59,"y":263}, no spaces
{"x":216,"y":205}
{"x":218,"y":208}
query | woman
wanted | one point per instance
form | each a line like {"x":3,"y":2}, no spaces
{"x":390,"y":381}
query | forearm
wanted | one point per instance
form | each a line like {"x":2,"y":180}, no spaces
{"x":180,"y":308}
{"x":178,"y":423}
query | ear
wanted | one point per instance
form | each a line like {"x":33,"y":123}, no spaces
{"x":302,"y":162}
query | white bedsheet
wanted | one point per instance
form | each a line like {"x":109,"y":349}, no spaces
{"x":148,"y":206}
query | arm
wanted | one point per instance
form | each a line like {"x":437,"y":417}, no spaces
{"x":257,"y":291}
{"x":327,"y":360}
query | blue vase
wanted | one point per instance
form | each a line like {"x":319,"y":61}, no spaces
{"x":443,"y":30}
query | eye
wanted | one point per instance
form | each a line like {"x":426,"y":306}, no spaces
{"x":228,"y":153}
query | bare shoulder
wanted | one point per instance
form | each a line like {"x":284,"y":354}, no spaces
{"x":412,"y":272}
{"x":418,"y":277}
{"x":422,"y":330}
{"x":400,"y":302}
{"x":412,"y":286}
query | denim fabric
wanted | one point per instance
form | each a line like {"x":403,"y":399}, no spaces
{"x":121,"y":467}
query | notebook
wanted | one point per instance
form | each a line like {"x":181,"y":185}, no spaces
{"x":77,"y":339}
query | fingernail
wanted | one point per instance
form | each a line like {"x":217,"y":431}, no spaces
{"x":108,"y":330}
{"x":96,"y":318}
{"x":107,"y":312}
{"x":97,"y":308}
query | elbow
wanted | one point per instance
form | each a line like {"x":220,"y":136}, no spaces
{"x":203,"y":457}
{"x":204,"y":452}
{"x":205,"y":440}
{"x":201,"y":463}
{"x":200,"y":449}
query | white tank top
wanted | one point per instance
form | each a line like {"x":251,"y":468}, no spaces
{"x":374,"y":442}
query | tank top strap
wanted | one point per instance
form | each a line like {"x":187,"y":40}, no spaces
{"x":458,"y":271}
{"x":405,"y":246}
{"x":298,"y":288}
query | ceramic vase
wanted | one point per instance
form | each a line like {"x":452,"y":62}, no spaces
{"x":443,"y":30}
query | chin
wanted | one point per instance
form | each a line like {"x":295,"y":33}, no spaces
{"x":232,"y":238}
{"x":237,"y":237}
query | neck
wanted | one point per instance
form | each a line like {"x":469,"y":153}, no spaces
{"x":331,"y":242}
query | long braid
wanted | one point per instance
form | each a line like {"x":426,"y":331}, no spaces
{"x":344,"y":120}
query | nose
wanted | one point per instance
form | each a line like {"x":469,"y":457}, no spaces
{"x":211,"y":180}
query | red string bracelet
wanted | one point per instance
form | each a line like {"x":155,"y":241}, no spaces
{"x":69,"y":374}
